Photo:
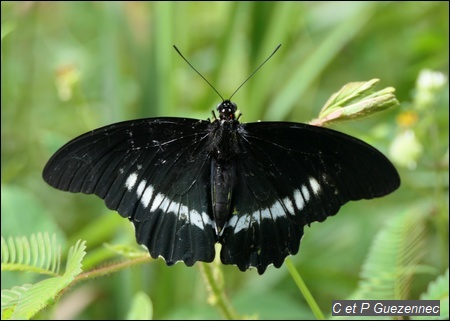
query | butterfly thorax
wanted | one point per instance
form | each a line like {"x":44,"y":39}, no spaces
{"x":225,"y":132}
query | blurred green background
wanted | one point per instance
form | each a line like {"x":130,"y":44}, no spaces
{"x":69,"y":67}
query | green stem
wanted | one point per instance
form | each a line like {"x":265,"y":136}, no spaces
{"x":111,"y":268}
{"x":304,"y":290}
{"x":216,"y":291}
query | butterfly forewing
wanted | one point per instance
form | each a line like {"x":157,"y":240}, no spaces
{"x":153,"y":171}
{"x":290,"y":175}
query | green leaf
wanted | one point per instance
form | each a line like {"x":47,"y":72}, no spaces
{"x":393,"y":259}
{"x":45,"y":292}
{"x":39,"y":254}
{"x":355,"y":100}
{"x":141,"y":307}
{"x":10,"y":299}
{"x":437,"y":290}
{"x":76,"y":254}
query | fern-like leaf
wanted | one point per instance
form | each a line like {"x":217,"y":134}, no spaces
{"x":10,"y":299}
{"x":36,"y":297}
{"x":393,"y":259}
{"x":437,"y":290}
{"x":40,"y":254}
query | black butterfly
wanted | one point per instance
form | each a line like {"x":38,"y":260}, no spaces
{"x":187,"y":184}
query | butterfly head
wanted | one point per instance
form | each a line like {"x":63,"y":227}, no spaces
{"x":227,"y":110}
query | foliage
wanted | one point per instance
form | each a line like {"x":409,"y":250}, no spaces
{"x":141,"y":307}
{"x":69,"y":67}
{"x":23,"y":302}
{"x":356,"y":100}
{"x":39,"y":254}
{"x":393,"y":259}
{"x":437,"y":290}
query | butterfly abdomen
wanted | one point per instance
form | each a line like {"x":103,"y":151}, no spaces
{"x":222,"y":185}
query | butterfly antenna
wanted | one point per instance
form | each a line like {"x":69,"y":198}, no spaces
{"x":197,"y":72}
{"x":278,"y":47}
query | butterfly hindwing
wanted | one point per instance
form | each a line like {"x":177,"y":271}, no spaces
{"x":290,"y":175}
{"x":153,"y":171}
